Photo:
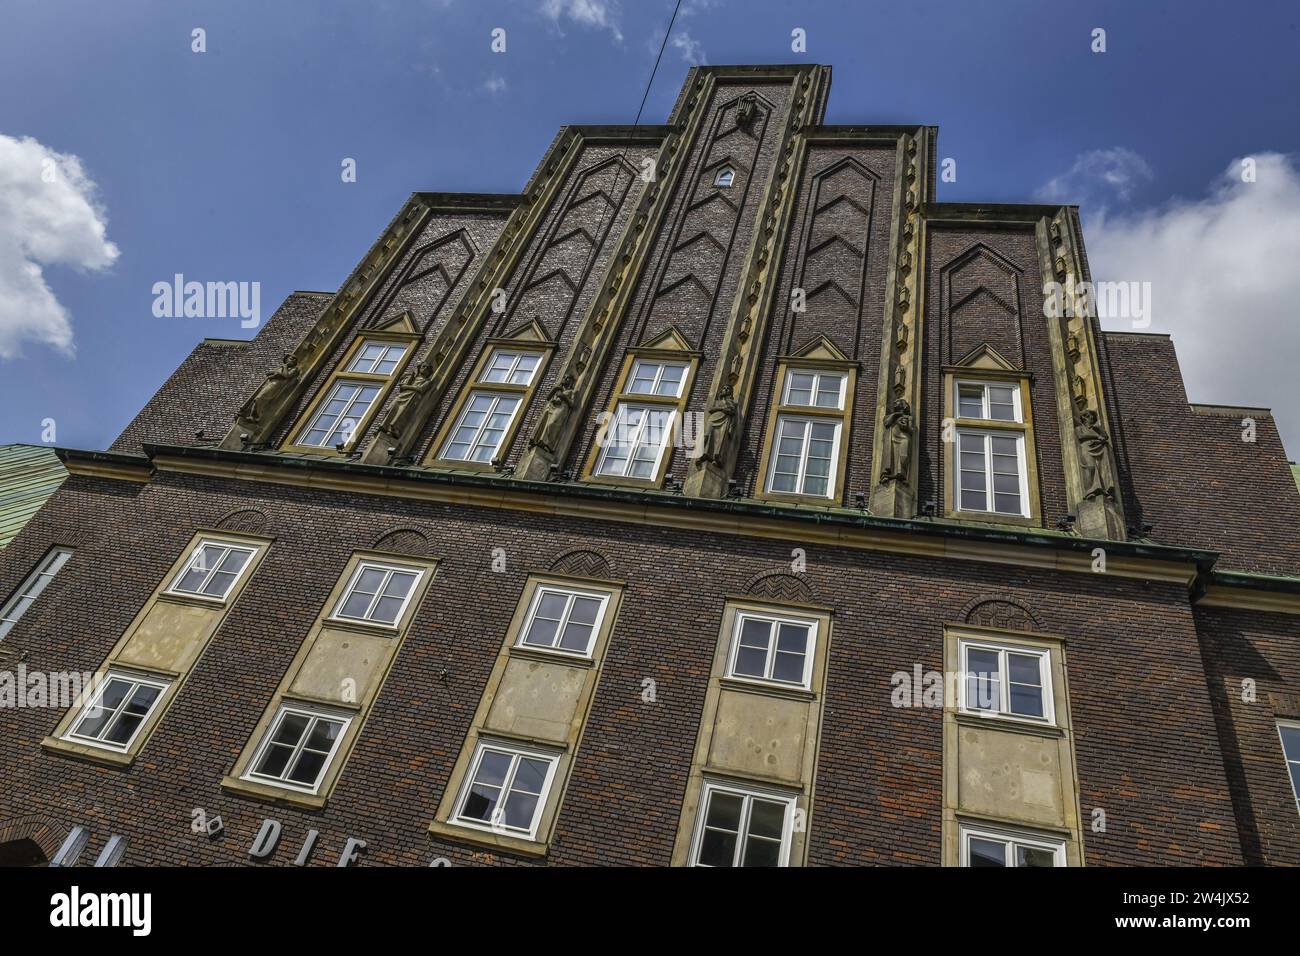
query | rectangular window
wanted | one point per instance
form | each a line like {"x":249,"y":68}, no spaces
{"x":506,"y":789}
{"x":481,"y":428}
{"x":508,"y":367}
{"x":1008,"y":680}
{"x":212,"y":570}
{"x":377,"y":358}
{"x":806,"y":453}
{"x":812,"y":389}
{"x":740,"y":827}
{"x":340,"y":415}
{"x":377,"y":593}
{"x":298,"y":747}
{"x":120,"y":705}
{"x":989,"y":401}
{"x":563,"y":620}
{"x":996,"y":847}
{"x":30,"y":589}
{"x":1290,"y":733}
{"x":991,"y":472}
{"x":773,"y":649}
{"x":657,"y":378}
{"x":635,"y":440}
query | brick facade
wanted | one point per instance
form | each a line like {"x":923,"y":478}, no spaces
{"x":1184,"y":770}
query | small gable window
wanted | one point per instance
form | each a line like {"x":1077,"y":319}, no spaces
{"x":725,"y":176}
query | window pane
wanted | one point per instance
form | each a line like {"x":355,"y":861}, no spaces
{"x":828,"y":391}
{"x":970,"y":401}
{"x":576,"y":637}
{"x":759,"y":852}
{"x":670,"y":383}
{"x":519,"y":810}
{"x":274,"y":760}
{"x":1034,"y":856}
{"x":492,"y":768}
{"x":717,"y":848}
{"x":541,"y":632}
{"x":1026,"y":701}
{"x":291,"y":729}
{"x":530,"y":775}
{"x":308,"y":767}
{"x":766,"y":818}
{"x":480,"y":801}
{"x":982,"y":680}
{"x":724,"y":811}
{"x":323,"y":734}
{"x":356,"y":605}
{"x":1290,"y":741}
{"x":800,"y":391}
{"x":122,"y":728}
{"x":982,"y":852}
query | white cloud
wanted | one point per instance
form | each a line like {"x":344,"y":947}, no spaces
{"x":601,"y":14}
{"x":43,"y":224}
{"x":1098,"y":177}
{"x":1224,"y":283}
{"x":494,"y":85}
{"x":689,"y":47}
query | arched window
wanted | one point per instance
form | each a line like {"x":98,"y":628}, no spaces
{"x":725,"y":176}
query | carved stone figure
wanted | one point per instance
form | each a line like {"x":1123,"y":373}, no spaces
{"x":278,"y":384}
{"x":410,"y":389}
{"x":558,"y":408}
{"x":898,"y":444}
{"x":747,"y":111}
{"x":718,"y":429}
{"x":1094,"y":446}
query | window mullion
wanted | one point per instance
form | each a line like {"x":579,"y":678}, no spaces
{"x":803,"y":455}
{"x":292,"y":763}
{"x":742,"y":828}
{"x":989,"y":500}
{"x":379,"y":592}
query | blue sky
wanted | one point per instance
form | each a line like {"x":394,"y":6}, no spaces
{"x":225,"y":165}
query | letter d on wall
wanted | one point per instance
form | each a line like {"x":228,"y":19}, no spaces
{"x":266,"y":839}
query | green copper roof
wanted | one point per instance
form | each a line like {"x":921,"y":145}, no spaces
{"x":29,"y":474}
{"x":1295,"y":473}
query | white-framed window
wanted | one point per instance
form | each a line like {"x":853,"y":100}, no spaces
{"x":814,"y":389}
{"x":377,"y":593}
{"x":505,"y":790}
{"x":339,"y":416}
{"x":511,"y":367}
{"x":1006,"y":679}
{"x":482,"y":427}
{"x":377,"y":358}
{"x":634,"y":441}
{"x":212,"y":569}
{"x":991,"y":473}
{"x":738,"y":826}
{"x":32,"y":586}
{"x":651,"y":377}
{"x":725,"y":177}
{"x":298,"y":746}
{"x":989,"y":401}
{"x":807,"y":450}
{"x":772,"y":648}
{"x":994,"y":846}
{"x":120,"y":705}
{"x":1289,"y":731}
{"x":563,"y":619}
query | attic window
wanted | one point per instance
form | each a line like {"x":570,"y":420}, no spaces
{"x":725,"y":176}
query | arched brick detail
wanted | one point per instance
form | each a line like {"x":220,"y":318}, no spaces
{"x":1001,"y":611}
{"x":247,"y":520}
{"x":45,"y":832}
{"x":588,"y":564}
{"x":781,"y":586}
{"x":404,"y":541}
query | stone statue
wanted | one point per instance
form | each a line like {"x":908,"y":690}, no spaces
{"x":278,"y":384}
{"x":1094,"y":447}
{"x":898,"y":444}
{"x":558,"y":408}
{"x":721,"y":423}
{"x":410,"y":389}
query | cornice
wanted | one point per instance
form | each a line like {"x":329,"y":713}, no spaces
{"x":1251,"y":592}
{"x":118,"y":466}
{"x":835,"y":527}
